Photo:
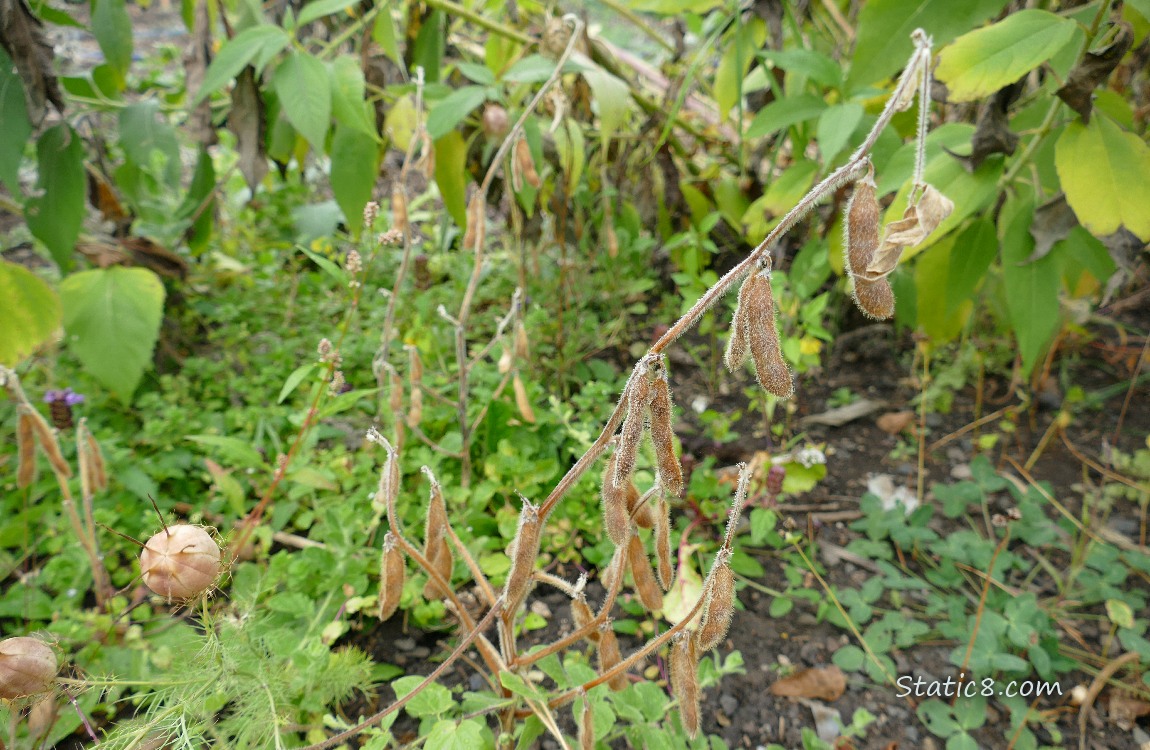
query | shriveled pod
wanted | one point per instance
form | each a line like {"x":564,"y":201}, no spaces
{"x":523,"y":554}
{"x":663,"y":436}
{"x":582,"y":615}
{"x":415,"y":408}
{"x":27,"y":667}
{"x":180,"y":562}
{"x":505,"y":360}
{"x":610,"y":656}
{"x":442,"y":562}
{"x":399,"y":209}
{"x":649,"y":592}
{"x":436,"y":548}
{"x":684,"y":668}
{"x":476,"y":232}
{"x":522,"y":402}
{"x":522,"y":348}
{"x":392,"y":572}
{"x":719,"y":607}
{"x":395,"y":394}
{"x":616,"y":514}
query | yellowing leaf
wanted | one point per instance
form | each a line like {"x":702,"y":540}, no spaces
{"x":981,"y":62}
{"x":1103,"y":172}
{"x":451,"y":175}
{"x":31,"y":315}
{"x":686,"y":589}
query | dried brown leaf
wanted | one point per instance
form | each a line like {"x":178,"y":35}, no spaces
{"x":818,"y":683}
{"x":894,"y":422}
{"x":246,"y":120}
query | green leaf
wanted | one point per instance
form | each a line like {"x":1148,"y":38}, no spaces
{"x":320,"y":8}
{"x":383,"y":34}
{"x":784,"y":113}
{"x":304,"y":89}
{"x":932,"y":281}
{"x":237,"y":452}
{"x":14,"y":124}
{"x":884,"y":28}
{"x":974,"y":250}
{"x":451,"y":110}
{"x":477,"y":73}
{"x":849,"y":658}
{"x":112,"y":319}
{"x":449,"y":735}
{"x":348,"y":98}
{"x":55,"y":213}
{"x":354,"y":169}
{"x":31,"y":313}
{"x":451,"y":175}
{"x":814,"y":65}
{"x":835,"y":127}
{"x":297,"y":376}
{"x":613,"y":98}
{"x":519,"y":686}
{"x":433,"y":700}
{"x":264,"y":40}
{"x":1103,"y":173}
{"x":142,"y":131}
{"x":981,"y":62}
{"x":735,"y":62}
{"x":112,"y":28}
{"x":201,"y":189}
{"x":1031,"y":288}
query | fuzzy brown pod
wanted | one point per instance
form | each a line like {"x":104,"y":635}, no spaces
{"x":610,"y":656}
{"x":586,"y":725}
{"x":392,"y":573}
{"x":862,"y":224}
{"x":684,"y":668}
{"x":399,"y":209}
{"x":525,"y":164}
{"x":616,"y":513}
{"x":665,"y":568}
{"x":523,"y":553}
{"x":436,"y":548}
{"x":91,"y":454}
{"x":638,"y":395}
{"x":27,"y":667}
{"x":180,"y":562}
{"x":874,"y":298}
{"x":639,"y":507}
{"x":395,"y":395}
{"x":763,"y":335}
{"x":505,"y":360}
{"x":476,"y":232}
{"x":521,"y":401}
{"x":442,"y":561}
{"x":582,"y":615}
{"x":522,"y":348}
{"x":46,"y":437}
{"x":738,"y":348}
{"x":415,"y":408}
{"x":649,"y":592}
{"x":26,"y":448}
{"x":719,"y":608}
{"x":663,"y":436}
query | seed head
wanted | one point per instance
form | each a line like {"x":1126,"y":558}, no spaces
{"x":27,"y":667}
{"x":370,"y":211}
{"x":180,"y":562}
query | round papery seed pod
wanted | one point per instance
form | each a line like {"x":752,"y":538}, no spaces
{"x":27,"y":667}
{"x":180,"y":562}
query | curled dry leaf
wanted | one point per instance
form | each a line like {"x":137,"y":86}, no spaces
{"x":894,"y":422}
{"x":820,"y":683}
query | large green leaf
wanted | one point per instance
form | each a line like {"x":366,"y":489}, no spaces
{"x":55,"y":213}
{"x":264,"y":40}
{"x":14,"y":125}
{"x":321,"y":8}
{"x":1103,"y":170}
{"x":31,"y":315}
{"x":354,"y":169}
{"x":451,"y":175}
{"x":613,"y":98}
{"x":981,"y":62}
{"x":112,"y":28}
{"x":736,"y":61}
{"x":304,"y":89}
{"x":112,"y":320}
{"x":974,"y":251}
{"x":835,"y":127}
{"x":142,"y":131}
{"x":884,"y":29}
{"x":1031,"y":287}
{"x":450,"y":111}
{"x":447,"y":734}
{"x":348,"y":100}
{"x":931,"y":282}
{"x":784,"y":113}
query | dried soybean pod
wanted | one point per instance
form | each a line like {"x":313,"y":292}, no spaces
{"x":522,"y":350}
{"x":663,"y":543}
{"x":631,"y":433}
{"x":862,"y":222}
{"x":443,"y":561}
{"x":610,"y":656}
{"x":649,"y":592}
{"x":436,"y":522}
{"x":521,"y":401}
{"x":874,"y":298}
{"x":616,"y":518}
{"x":523,"y":553}
{"x":684,"y":667}
{"x":663,"y":436}
{"x":48,"y":442}
{"x":526,"y":163}
{"x":395,"y":397}
{"x":392,"y":572}
{"x":763,"y":335}
{"x":415,"y":410}
{"x":737,"y":345}
{"x":476,"y":233}
{"x":719,"y":607}
{"x":95,"y":457}
{"x":639,"y":506}
{"x":505,"y":360}
{"x":586,"y":725}
{"x":26,"y":447}
{"x":399,"y":209}
{"x":582,"y":615}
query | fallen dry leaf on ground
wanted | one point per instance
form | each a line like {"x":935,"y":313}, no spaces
{"x":894,"y":422}
{"x":824,"y":683}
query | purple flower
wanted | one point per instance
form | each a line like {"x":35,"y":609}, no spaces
{"x":67,"y":396}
